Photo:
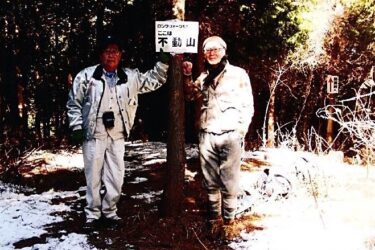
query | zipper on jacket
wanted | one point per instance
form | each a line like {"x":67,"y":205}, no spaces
{"x":101,"y":97}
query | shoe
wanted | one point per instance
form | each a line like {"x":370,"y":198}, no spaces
{"x":230,"y":230}
{"x":215,"y":228}
{"x":114,"y":220}
{"x":90,"y":223}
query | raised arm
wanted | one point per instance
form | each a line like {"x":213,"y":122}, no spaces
{"x":151,"y":79}
{"x":192,"y":89}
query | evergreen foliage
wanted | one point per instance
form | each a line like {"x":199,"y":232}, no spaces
{"x":43,"y":45}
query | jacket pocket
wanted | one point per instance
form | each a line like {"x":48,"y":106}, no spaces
{"x":225,"y":105}
{"x":132,"y":109}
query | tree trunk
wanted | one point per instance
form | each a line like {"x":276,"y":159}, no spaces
{"x":329,"y":136}
{"x":308,"y":108}
{"x":173,"y":192}
{"x":2,"y":89}
{"x":271,"y":119}
{"x":10,"y":93}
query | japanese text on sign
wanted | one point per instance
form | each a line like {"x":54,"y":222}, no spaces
{"x":176,"y":36}
{"x":332,"y":84}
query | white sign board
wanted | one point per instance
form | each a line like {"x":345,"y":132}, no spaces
{"x":332,"y":84}
{"x":176,"y":36}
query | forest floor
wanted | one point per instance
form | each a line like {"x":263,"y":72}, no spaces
{"x":330,"y":204}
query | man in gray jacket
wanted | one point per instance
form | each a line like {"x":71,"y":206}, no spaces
{"x":226,"y":114}
{"x":101,"y":108}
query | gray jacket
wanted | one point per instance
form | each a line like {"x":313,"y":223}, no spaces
{"x":230,"y":106}
{"x":87,"y":91}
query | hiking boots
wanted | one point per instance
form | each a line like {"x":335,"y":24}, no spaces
{"x":215,"y":227}
{"x":115,"y":218}
{"x":90,"y":223}
{"x":230,"y":230}
{"x":227,"y":230}
{"x":113,"y":221}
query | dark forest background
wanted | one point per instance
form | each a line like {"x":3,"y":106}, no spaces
{"x":44,"y":45}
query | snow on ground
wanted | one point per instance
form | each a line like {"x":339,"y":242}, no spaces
{"x":65,"y":242}
{"x":62,"y":159}
{"x":25,"y":216}
{"x":148,"y":197}
{"x":331,"y":204}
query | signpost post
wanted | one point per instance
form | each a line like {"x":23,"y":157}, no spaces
{"x":332,"y":88}
{"x":176,"y":37}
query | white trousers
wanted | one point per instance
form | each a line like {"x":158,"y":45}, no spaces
{"x":104,"y":166}
{"x":220,"y":158}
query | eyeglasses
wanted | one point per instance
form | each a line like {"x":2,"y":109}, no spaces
{"x":112,"y":52}
{"x":214,"y":50}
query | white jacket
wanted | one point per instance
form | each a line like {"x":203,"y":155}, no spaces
{"x":87,"y":91}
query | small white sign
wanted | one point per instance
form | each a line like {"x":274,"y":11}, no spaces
{"x":176,"y":36}
{"x":332,"y":84}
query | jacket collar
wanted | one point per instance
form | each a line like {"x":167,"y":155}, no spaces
{"x":123,"y":77}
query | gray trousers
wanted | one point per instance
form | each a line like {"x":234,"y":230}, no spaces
{"x":104,"y":165}
{"x":220,"y":158}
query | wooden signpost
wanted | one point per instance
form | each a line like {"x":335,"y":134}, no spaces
{"x":175,"y":37}
{"x":332,"y":88}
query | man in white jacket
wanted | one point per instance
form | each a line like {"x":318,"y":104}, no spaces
{"x":101,"y":108}
{"x":226,"y":114}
